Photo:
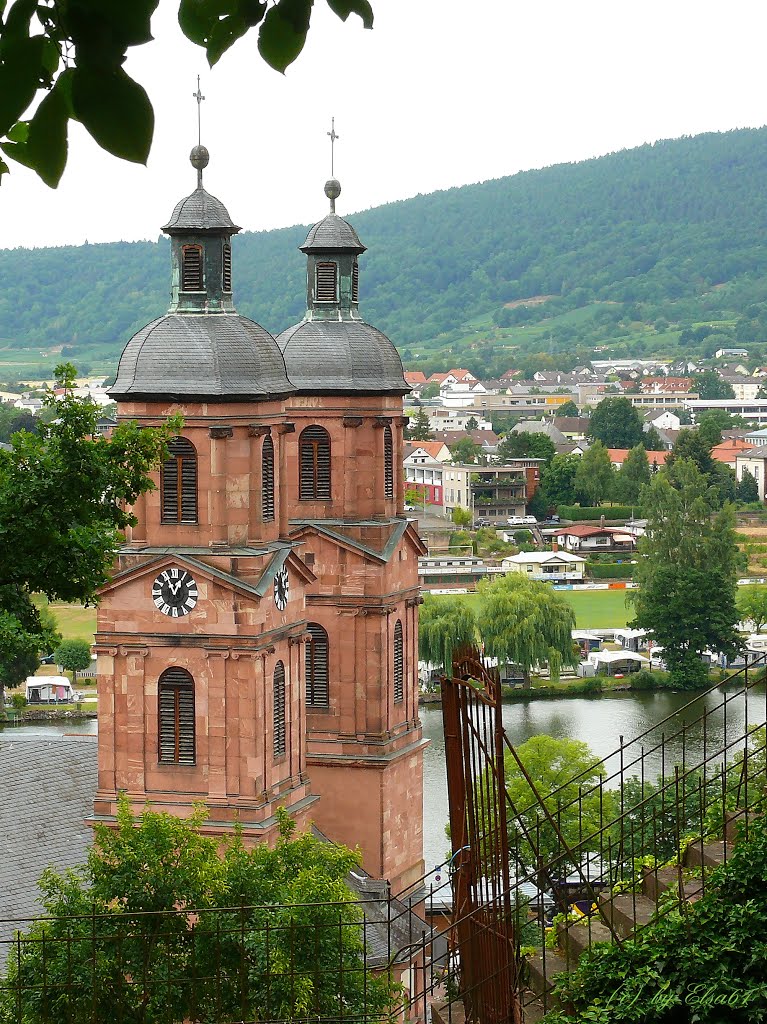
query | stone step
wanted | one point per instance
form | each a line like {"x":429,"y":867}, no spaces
{"x":543,"y":967}
{"x":661,"y":880}
{"x":575,"y":938}
{"x":706,"y":855}
{"x":736,"y":821}
{"x":533,"y":1007}
{"x":628,"y":911}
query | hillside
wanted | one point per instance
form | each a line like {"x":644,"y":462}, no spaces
{"x":635,"y":250}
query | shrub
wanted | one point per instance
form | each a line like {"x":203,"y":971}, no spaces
{"x":610,"y":512}
{"x":18,"y":701}
{"x":599,"y":571}
{"x":645,"y":679}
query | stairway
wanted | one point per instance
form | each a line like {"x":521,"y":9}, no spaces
{"x":626,"y":912}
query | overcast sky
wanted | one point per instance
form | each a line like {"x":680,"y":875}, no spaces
{"x":439,"y":93}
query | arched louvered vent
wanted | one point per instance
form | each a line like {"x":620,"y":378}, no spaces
{"x":399,"y":688}
{"x":267,"y":480}
{"x":355,"y":282}
{"x":178,"y":482}
{"x":175,"y":696}
{"x":279,"y":709}
{"x":388,"y":463}
{"x":325,"y":290}
{"x":317,"y":691}
{"x":191,"y":268}
{"x":314,"y":474}
{"x":226,"y":264}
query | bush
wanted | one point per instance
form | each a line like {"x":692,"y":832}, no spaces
{"x":610,"y":512}
{"x":645,"y":679}
{"x":600,"y":571}
{"x":18,"y":701}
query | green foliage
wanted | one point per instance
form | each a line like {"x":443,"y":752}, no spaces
{"x":705,"y":964}
{"x":444,"y":624}
{"x":686,"y":571}
{"x":747,"y":490}
{"x":594,"y":476}
{"x":599,"y":571}
{"x":709,"y":384}
{"x":525,"y":445}
{"x":73,"y":655}
{"x":143,"y":879}
{"x":526,"y":623}
{"x":558,"y":482}
{"x":74,"y":53}
{"x":461,"y":516}
{"x":568,"y":409}
{"x":752,"y":604}
{"x":632,"y":476}
{"x":612,"y":513}
{"x":418,"y":429}
{"x":616,"y":423}
{"x":466,"y":452}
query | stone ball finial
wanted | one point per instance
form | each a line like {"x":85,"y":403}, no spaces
{"x":199,"y":157}
{"x":333,"y":188}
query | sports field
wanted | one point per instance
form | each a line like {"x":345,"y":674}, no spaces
{"x":594,"y":609}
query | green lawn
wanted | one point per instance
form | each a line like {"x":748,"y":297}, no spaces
{"x":74,"y":621}
{"x":594,"y":609}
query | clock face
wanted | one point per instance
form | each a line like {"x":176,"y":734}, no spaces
{"x":174,"y":592}
{"x":281,"y":588}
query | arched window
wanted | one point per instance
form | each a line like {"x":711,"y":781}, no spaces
{"x":399,"y":688}
{"x":388,"y":463}
{"x":226,"y":267}
{"x":278,"y":707}
{"x":317,"y":667}
{"x":314,"y":455}
{"x":178,"y":482}
{"x":175,"y":699}
{"x":326,"y":289}
{"x":191,"y":268}
{"x":267,"y":480}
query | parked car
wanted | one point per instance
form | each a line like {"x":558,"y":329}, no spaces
{"x":522,"y":521}
{"x":48,"y":660}
{"x":408,"y":508}
{"x":479,"y":523}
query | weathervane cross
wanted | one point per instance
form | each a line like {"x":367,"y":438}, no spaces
{"x":199,"y":97}
{"x":332,"y":136}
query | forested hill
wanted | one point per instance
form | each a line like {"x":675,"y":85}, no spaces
{"x":674,"y":230}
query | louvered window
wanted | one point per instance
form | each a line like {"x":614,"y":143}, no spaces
{"x":325,"y":290}
{"x":388,"y":463}
{"x":398,"y":662}
{"x":178,"y":482}
{"x":176,"y":717}
{"x":314,"y":448}
{"x":279,"y":709}
{"x":317,"y":667}
{"x":226,"y":264}
{"x":267,"y":480}
{"x":191,"y":268}
{"x":355,"y":282}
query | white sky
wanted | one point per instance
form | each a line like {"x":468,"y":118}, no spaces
{"x":440,"y":93}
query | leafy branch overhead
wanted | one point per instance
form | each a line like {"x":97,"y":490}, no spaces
{"x":73,"y":51}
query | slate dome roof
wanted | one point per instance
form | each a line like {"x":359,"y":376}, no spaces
{"x":221,"y":356}
{"x":200,"y":212}
{"x":341,"y":357}
{"x":330,"y":234}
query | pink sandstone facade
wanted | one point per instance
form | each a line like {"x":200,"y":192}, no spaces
{"x":255,"y":543}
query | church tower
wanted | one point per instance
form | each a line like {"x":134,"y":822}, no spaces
{"x":201,"y":632}
{"x":364,"y":741}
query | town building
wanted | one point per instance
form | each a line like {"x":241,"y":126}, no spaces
{"x":579,"y":537}
{"x":547,"y":566}
{"x":257,"y":642}
{"x":491,"y":492}
{"x":755,"y":461}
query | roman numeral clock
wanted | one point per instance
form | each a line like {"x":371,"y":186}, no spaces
{"x":174,"y":592}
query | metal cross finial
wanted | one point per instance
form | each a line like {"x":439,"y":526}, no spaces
{"x":332,"y":136}
{"x":199,"y":97}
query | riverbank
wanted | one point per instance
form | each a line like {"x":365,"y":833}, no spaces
{"x":46,"y":715}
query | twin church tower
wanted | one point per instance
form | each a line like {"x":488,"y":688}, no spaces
{"x":258,"y":640}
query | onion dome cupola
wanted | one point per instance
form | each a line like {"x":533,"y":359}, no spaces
{"x":332,"y":350}
{"x":202,"y":348}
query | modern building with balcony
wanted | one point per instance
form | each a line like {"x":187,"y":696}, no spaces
{"x":491,"y":492}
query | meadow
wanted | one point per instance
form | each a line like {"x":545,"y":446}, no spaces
{"x":594,"y":609}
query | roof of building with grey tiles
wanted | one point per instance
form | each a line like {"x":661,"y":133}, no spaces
{"x":200,"y":212}
{"x":49,"y":785}
{"x":332,"y":233}
{"x":341,"y":357}
{"x":202,"y":355}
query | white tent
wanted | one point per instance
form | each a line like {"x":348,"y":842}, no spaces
{"x":48,"y":690}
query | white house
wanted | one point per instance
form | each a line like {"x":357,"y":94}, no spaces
{"x":755,"y":461}
{"x":551,"y":566}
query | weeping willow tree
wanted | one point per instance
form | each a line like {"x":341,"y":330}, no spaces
{"x":445,"y":623}
{"x":526,"y":623}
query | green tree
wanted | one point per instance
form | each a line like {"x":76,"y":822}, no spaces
{"x":63,"y":502}
{"x":712,"y":422}
{"x":472,"y":423}
{"x":558,"y":481}
{"x":566,"y":774}
{"x":73,"y":53}
{"x":694,"y":446}
{"x":430,"y":391}
{"x":616,"y":423}
{"x":418,"y":428}
{"x":594,"y":477}
{"x":24,"y":632}
{"x":652,"y":441}
{"x":461,"y":516}
{"x":444,"y":624}
{"x":526,"y":623}
{"x":568,"y":409}
{"x":752,"y":604}
{"x":465,"y":452}
{"x":632,"y":476}
{"x":747,"y":489}
{"x":687,"y":572}
{"x":709,"y":384}
{"x":295,"y":932}
{"x":525,"y":444}
{"x":73,"y":656}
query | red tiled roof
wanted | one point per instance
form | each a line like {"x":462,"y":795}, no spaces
{"x":729,"y":450}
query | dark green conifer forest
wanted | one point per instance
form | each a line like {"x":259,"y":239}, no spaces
{"x":655,"y":249}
